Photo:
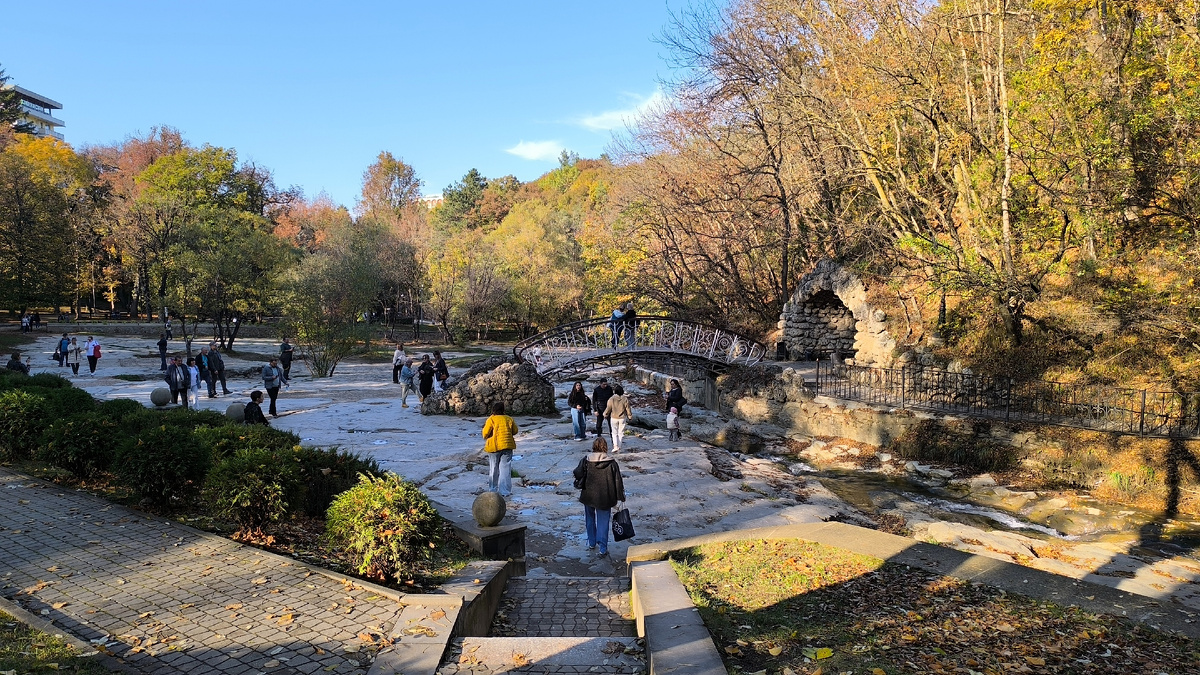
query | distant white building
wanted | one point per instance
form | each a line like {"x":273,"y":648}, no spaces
{"x":38,"y":111}
{"x":432,"y":201}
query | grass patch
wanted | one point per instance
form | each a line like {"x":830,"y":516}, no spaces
{"x":791,"y":605}
{"x":131,"y":378}
{"x":25,"y":650}
{"x":11,"y":341}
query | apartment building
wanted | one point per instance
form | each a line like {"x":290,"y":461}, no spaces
{"x":39,"y":111}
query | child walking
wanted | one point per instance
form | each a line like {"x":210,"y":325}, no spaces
{"x":673,"y":425}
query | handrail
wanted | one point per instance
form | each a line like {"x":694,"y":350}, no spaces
{"x":1088,"y":406}
{"x":599,"y":339}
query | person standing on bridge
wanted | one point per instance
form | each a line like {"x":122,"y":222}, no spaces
{"x":600,"y":396}
{"x":629,"y":319}
{"x":616,"y":323}
{"x":618,"y":412}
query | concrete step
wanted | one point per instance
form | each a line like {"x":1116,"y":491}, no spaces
{"x":566,"y":655}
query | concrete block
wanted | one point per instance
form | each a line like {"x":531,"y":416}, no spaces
{"x":677,"y":641}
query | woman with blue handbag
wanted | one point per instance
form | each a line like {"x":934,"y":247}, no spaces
{"x":598,"y":479}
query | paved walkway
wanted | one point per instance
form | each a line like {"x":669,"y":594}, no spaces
{"x":168,"y":599}
{"x":566,"y":606}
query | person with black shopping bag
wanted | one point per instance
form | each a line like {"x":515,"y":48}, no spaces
{"x":598,"y":479}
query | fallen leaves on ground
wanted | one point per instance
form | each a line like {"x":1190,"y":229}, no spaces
{"x":801,"y":608}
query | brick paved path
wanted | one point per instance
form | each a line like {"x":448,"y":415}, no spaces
{"x":566,"y":606}
{"x":168,"y":599}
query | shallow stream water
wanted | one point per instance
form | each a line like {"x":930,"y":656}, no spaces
{"x":1070,"y":517}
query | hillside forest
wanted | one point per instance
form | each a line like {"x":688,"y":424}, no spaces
{"x":1015,"y":181}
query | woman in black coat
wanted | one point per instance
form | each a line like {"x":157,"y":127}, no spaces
{"x":425,"y":377}
{"x":600,"y":488}
{"x":675,"y":397}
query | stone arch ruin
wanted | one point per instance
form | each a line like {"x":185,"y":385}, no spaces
{"x":829,"y":313}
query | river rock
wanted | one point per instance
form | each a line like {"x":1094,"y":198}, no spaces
{"x":996,"y":544}
{"x":981,"y":481}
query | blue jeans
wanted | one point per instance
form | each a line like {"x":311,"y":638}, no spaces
{"x":500,"y":472}
{"x":596,"y":522}
{"x":579,"y":421}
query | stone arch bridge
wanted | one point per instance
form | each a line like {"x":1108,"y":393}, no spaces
{"x":653,"y":341}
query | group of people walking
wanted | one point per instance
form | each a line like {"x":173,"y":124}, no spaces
{"x":184,"y":378}
{"x":67,"y":353}
{"x":425,"y":378}
{"x":208,"y":368}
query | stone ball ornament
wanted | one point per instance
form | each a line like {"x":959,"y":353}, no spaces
{"x":489,"y":509}
{"x":236,"y":412}
{"x":160,"y":396}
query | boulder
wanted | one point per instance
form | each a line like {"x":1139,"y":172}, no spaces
{"x":518,"y":385}
{"x":160,"y":396}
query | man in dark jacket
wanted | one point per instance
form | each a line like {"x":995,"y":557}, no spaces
{"x":253,"y":411}
{"x":217,"y":363}
{"x":64,"y":344}
{"x":14,"y":363}
{"x":178,"y":380}
{"x":600,"y":396}
{"x":204,"y":365}
{"x":286,"y":351}
{"x":600,"y":488}
{"x":162,"y":349}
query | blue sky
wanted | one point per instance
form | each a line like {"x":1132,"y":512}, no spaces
{"x":315,"y":90}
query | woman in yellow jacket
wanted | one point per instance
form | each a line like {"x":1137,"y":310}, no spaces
{"x":499,"y":444}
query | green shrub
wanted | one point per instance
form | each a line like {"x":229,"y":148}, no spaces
{"x":23,"y":418}
{"x":177,"y":418}
{"x":65,"y":402}
{"x":49,"y":381}
{"x":82,"y":444}
{"x":192,"y":419}
{"x":327,"y":472}
{"x":226,"y":440}
{"x":254,"y":486}
{"x":385,"y":524}
{"x":164,"y":464}
{"x":119,"y":409}
{"x":11,"y":379}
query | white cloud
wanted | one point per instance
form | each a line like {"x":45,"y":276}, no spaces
{"x":619,"y":119}
{"x":536,"y":150}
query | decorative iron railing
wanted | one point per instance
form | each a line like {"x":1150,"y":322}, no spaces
{"x":1089,"y":406}
{"x":567,"y":346}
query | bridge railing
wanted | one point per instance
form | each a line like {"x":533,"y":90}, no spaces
{"x":589,"y":339}
{"x":1089,"y":406}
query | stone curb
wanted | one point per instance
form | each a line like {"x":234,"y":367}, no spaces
{"x":1009,"y":577}
{"x":38,"y":623}
{"x":677,"y":641}
{"x":421,"y":639}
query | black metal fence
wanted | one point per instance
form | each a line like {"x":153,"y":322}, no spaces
{"x":1089,"y":406}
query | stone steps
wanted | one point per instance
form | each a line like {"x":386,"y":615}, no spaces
{"x":621,"y":655}
{"x":555,"y":625}
{"x":565,"y":607}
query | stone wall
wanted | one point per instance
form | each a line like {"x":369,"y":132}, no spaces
{"x":518,"y":385}
{"x":829,"y":312}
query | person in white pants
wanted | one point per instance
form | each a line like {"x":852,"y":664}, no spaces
{"x":619,"y":412}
